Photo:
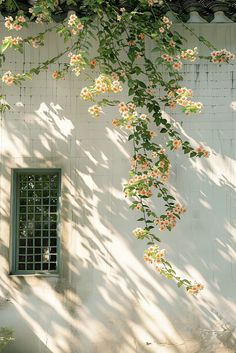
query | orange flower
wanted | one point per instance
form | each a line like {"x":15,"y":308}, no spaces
{"x":93,"y":63}
{"x":55,"y":74}
{"x":131,"y":43}
{"x":141,"y":36}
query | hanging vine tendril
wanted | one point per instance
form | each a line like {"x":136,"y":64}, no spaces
{"x":123,"y":37}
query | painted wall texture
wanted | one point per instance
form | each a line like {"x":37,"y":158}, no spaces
{"x":106,"y":299}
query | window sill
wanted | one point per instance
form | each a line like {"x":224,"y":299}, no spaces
{"x":33,"y":274}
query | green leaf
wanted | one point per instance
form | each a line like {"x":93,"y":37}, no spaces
{"x":130,"y":137}
{"x":193,"y":154}
{"x":4,"y":46}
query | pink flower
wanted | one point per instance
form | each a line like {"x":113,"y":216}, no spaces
{"x":17,"y":27}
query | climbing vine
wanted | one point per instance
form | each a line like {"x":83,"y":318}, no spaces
{"x":122,"y":34}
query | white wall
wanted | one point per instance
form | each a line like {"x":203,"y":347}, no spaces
{"x":106,"y":299}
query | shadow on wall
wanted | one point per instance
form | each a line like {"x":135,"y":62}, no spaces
{"x":105,"y":299}
{"x":101,"y":300}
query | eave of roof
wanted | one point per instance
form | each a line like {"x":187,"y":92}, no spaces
{"x":183,"y":8}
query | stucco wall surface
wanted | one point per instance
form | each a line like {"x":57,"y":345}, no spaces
{"x":106,"y":299}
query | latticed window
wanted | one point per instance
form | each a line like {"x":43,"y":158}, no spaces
{"x":36,"y":216}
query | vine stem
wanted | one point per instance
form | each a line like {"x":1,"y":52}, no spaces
{"x":200,"y":38}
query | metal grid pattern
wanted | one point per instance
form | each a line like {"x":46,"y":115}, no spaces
{"x":37,"y":203}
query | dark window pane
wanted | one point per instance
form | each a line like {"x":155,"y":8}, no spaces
{"x":21,"y":267}
{"x":45,"y":217}
{"x":30,"y":209}
{"x":22,"y":201}
{"x":53,"y":241}
{"x":37,"y":250}
{"x":46,"y":201}
{"x":45,"y":266}
{"x":37,"y":242}
{"x":53,"y":209}
{"x":45,"y":242}
{"x":38,"y":217}
{"x":38,"y":266}
{"x":53,"y":201}
{"x":30,"y":242}
{"x":38,"y":225}
{"x":53,"y":258}
{"x":45,"y":233}
{"x":53,"y":266}
{"x":45,"y":225}
{"x":37,"y":233}
{"x":23,"y":193}
{"x":38,"y":201}
{"x":53,"y":193}
{"x":22,"y":242}
{"x":30,"y":193}
{"x":53,"y":225}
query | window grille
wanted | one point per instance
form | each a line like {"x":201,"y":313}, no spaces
{"x":36,"y":196}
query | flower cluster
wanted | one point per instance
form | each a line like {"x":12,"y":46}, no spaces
{"x":168,"y":221}
{"x":130,"y":118}
{"x":95,"y":110}
{"x":36,"y":42}
{"x":148,"y":171}
{"x":76,"y":26}
{"x":77,"y":62}
{"x":184,"y":92}
{"x":145,"y":175}
{"x":16,"y":23}
{"x":202,"y":151}
{"x":195,"y":288}
{"x":122,"y":10}
{"x":139,"y":186}
{"x":189,"y":54}
{"x":8,"y":78}
{"x":103,"y":84}
{"x":188,"y":105}
{"x":167,"y":58}
{"x":153,"y":255}
{"x":166,"y":22}
{"x":13,"y":42}
{"x":58,"y":75}
{"x":154,"y":2}
{"x":163,"y":170}
{"x":176,"y":64}
{"x":39,"y":17}
{"x":222,"y":56}
{"x":140,"y":233}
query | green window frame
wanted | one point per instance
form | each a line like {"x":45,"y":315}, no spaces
{"x":36,"y":217}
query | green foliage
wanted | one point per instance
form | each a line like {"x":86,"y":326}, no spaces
{"x":6,"y":336}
